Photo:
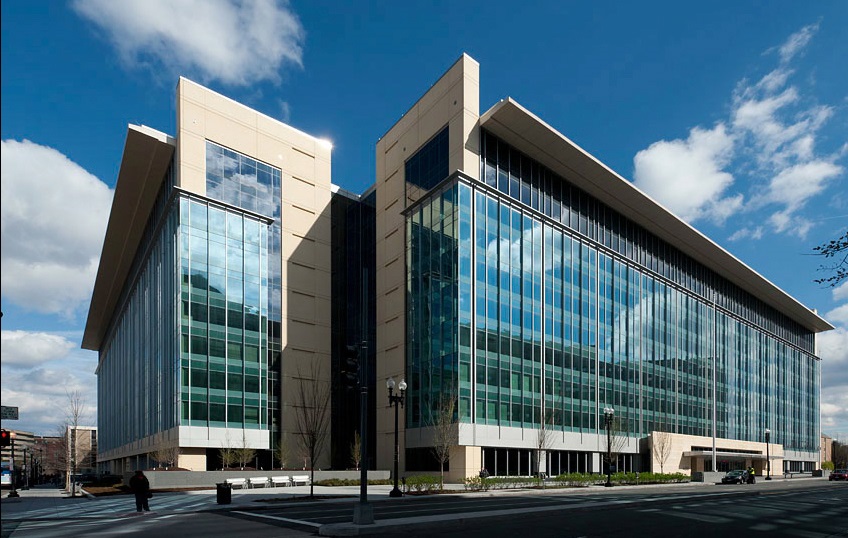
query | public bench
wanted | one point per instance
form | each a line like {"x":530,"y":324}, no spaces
{"x":257,"y":481}
{"x":300,"y":479}
{"x":280,"y":481}
{"x":236,"y":482}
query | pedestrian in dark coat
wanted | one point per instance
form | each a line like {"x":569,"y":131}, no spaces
{"x":140,"y":487}
{"x":751,"y":478}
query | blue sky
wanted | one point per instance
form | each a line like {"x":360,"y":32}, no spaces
{"x":732,"y":114}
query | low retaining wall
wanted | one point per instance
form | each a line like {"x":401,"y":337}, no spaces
{"x":196,"y":479}
{"x":707,"y":477}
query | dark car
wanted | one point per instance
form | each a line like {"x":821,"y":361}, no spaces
{"x":839,"y":474}
{"x":737,"y":476}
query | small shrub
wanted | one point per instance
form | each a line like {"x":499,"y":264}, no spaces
{"x":335,"y":482}
{"x":577,"y":480}
{"x":476,"y":483}
{"x":423,"y":483}
{"x":828,"y":466}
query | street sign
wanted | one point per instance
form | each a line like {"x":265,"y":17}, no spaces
{"x":9,"y":413}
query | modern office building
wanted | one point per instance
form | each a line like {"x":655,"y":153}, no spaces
{"x":505,"y":273}
{"x":212,"y":299}
{"x":520,"y":274}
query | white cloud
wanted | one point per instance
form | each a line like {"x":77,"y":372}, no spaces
{"x":840,"y":293}
{"x":53,"y":220}
{"x":769,"y":139}
{"x":41,"y":396}
{"x":687,"y":176}
{"x":237,"y":42}
{"x":797,"y":42}
{"x":838,"y":315}
{"x":744,"y":233}
{"x":22,"y":349}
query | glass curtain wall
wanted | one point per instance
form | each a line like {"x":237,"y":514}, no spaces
{"x":663,"y":332}
{"x":573,"y":308}
{"x":432,"y":298}
{"x":142,"y":343}
{"x":224,"y":319}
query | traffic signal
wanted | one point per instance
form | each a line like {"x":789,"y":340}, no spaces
{"x":350,"y":366}
{"x":5,"y":438}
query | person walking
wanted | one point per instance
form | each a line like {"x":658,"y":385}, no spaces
{"x":751,"y":479}
{"x":140,"y":487}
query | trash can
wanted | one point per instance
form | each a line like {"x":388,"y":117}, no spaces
{"x":224,"y":493}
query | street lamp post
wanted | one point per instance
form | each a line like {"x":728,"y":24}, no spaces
{"x":768,"y":456}
{"x":609,"y":413}
{"x":396,"y":401}
{"x":14,"y":492}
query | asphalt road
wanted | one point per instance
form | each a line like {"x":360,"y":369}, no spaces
{"x":810,"y":509}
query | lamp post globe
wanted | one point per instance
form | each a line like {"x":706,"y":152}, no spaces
{"x":609,"y":413}
{"x":396,"y":401}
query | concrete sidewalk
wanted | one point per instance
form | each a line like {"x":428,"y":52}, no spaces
{"x":38,"y":498}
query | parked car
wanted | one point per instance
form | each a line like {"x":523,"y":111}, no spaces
{"x":839,"y":474}
{"x":737,"y":476}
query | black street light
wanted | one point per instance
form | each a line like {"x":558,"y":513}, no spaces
{"x":396,"y":401}
{"x":768,"y":457}
{"x":609,"y":413}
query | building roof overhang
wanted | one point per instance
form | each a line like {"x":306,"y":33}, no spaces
{"x":147,"y":156}
{"x":720,"y":454}
{"x":532,"y":136}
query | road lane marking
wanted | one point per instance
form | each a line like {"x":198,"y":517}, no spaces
{"x":278,"y":518}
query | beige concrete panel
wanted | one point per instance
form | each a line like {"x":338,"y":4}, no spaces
{"x":193,"y":151}
{"x":394,"y":159}
{"x":270,"y":150}
{"x":465,"y":462}
{"x":226,"y":132}
{"x":391,"y":190}
{"x":395,"y":240}
{"x":192,"y":118}
{"x":301,"y":165}
{"x":433,"y":120}
{"x":299,"y":220}
{"x":301,"y":305}
{"x":191,"y":90}
{"x":299,"y":191}
{"x":299,"y":249}
{"x":394,"y":328}
{"x":300,"y":277}
{"x":303,"y":335}
{"x":323,"y":256}
{"x":471,"y":157}
{"x":233,"y":110}
{"x":193,"y":179}
{"x":394,"y":298}
{"x":323,"y":312}
{"x":405,"y":123}
{"x":394,"y":274}
{"x":193,"y":459}
{"x":322,"y":179}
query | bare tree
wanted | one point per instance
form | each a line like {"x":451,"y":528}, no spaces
{"x":545,"y":437}
{"x":836,"y":249}
{"x":443,"y":422}
{"x":167,"y":455}
{"x":227,"y":453}
{"x":244,"y":454}
{"x":356,"y":450}
{"x":74,"y":413}
{"x":282,"y":453}
{"x":661,"y":448}
{"x":615,"y":440}
{"x":312,"y":415}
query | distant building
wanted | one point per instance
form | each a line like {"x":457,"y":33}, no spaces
{"x":496,"y":266}
{"x":826,"y":448}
